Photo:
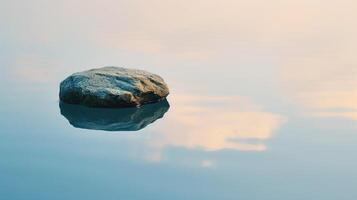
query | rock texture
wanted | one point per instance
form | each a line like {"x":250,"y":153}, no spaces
{"x":112,"y":119}
{"x":113,"y":87}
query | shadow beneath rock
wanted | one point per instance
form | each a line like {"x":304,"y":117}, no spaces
{"x":113,"y":119}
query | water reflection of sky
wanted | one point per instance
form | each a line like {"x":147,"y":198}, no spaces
{"x":216,"y":123}
{"x":262,"y":104}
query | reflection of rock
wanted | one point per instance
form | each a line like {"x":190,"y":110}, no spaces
{"x":113,"y":87}
{"x":108,"y":119}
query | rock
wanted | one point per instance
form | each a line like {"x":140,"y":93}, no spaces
{"x":113,"y":87}
{"x":113,"y":119}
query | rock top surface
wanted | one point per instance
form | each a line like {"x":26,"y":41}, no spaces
{"x":113,"y":87}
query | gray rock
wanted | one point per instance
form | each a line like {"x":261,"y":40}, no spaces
{"x":113,"y":87}
{"x":113,"y":119}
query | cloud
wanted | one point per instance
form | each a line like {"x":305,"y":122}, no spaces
{"x":213,"y":123}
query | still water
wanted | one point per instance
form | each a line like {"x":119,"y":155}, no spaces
{"x":262,"y":104}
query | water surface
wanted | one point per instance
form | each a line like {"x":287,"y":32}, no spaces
{"x":263,"y":101}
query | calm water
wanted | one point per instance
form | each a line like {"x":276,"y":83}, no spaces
{"x":263,"y":101}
